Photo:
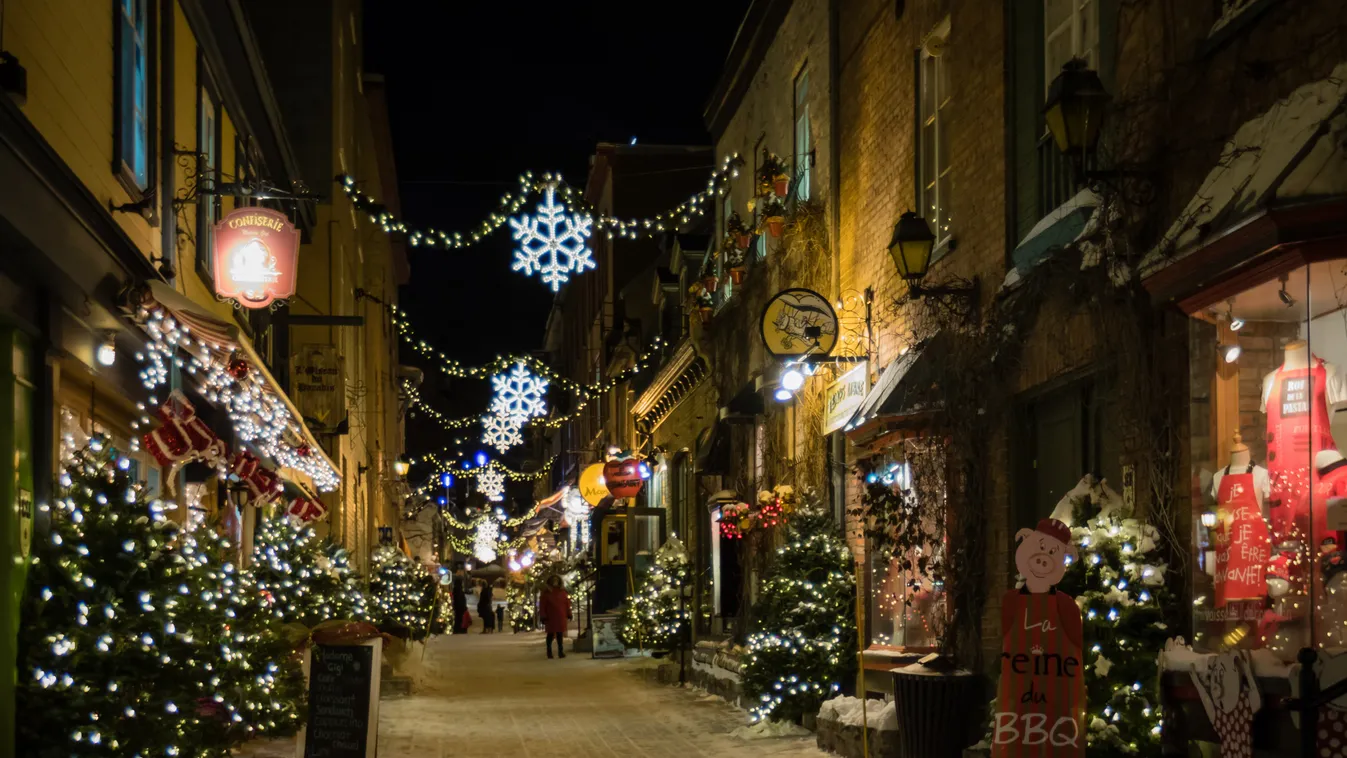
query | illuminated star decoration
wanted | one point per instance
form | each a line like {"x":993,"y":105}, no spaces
{"x":491,"y":483}
{"x":485,"y":539}
{"x":553,"y":252}
{"x":502,"y":432}
{"x":520,"y":394}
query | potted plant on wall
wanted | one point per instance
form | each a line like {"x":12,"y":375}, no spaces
{"x":774,"y":217}
{"x":735,"y":262}
{"x":706,"y":306}
{"x":904,"y":518}
{"x":737,"y":234}
{"x":772,"y":175}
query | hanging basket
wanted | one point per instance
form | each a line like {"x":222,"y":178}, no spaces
{"x":705,"y":312}
{"x":776,"y":225}
{"x":710,"y":282}
{"x":744,"y":239}
{"x":737,"y":274}
{"x":781,"y":185}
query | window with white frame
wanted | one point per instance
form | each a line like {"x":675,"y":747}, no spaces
{"x":1070,"y":30}
{"x":803,"y":140}
{"x":133,"y":91}
{"x":933,"y":164}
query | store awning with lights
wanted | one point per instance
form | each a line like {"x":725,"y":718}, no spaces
{"x":220,"y":360}
{"x":904,"y":397}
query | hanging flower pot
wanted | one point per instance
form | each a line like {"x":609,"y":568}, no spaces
{"x":781,"y":184}
{"x":709,"y":282}
{"x":737,"y":274}
{"x":705,"y":312}
{"x":776,"y":225}
{"x":744,"y":239}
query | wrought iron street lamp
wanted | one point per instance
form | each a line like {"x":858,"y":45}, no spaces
{"x":911,"y":248}
{"x":1075,"y":108}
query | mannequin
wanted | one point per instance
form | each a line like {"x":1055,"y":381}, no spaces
{"x":1240,"y":537}
{"x":1296,"y":398}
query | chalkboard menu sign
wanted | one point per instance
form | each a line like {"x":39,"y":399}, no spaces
{"x":343,"y":701}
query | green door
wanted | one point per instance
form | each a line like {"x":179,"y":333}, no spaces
{"x":16,"y":528}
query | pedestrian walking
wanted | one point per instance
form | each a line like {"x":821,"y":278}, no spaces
{"x":460,"y":602}
{"x":500,"y":617}
{"x":556,"y":611}
{"x":485,"y":609}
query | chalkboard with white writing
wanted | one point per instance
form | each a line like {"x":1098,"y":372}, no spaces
{"x":342,"y":679}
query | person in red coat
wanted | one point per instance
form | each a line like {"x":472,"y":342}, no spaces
{"x":555,"y":606}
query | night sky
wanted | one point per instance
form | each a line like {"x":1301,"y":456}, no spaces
{"x":481,"y":91}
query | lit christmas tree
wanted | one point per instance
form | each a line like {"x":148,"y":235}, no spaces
{"x":1119,"y":584}
{"x":522,"y":600}
{"x":402,"y":594}
{"x":654,"y":617}
{"x":803,"y":644}
{"x":303,"y":578}
{"x":127,"y":645}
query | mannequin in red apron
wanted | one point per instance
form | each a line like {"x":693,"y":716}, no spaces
{"x":1241,"y":538}
{"x":1296,"y":399}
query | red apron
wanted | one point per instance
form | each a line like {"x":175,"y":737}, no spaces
{"x":1297,"y":428}
{"x":1241,"y":538}
{"x":1041,"y":696}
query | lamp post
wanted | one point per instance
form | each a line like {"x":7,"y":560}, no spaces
{"x":1074,"y":110}
{"x":911,"y":248}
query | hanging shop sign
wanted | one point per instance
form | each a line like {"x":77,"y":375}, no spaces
{"x":592,"y":487}
{"x":799,"y":322}
{"x":319,"y":386}
{"x":255,"y":257}
{"x":1041,"y":698}
{"x":844,"y":396}
{"x":623,"y":476}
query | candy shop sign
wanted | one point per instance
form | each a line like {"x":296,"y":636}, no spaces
{"x":255,"y":255}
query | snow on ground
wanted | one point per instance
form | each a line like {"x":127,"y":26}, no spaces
{"x":878,"y":714}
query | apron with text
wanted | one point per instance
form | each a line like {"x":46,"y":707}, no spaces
{"x":1297,"y":428}
{"x":1243,"y":545}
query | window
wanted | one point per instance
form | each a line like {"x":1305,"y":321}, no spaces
{"x":907,"y":604}
{"x":933,"y":166}
{"x":133,"y":86}
{"x":804,"y":149}
{"x":1070,"y":30}
{"x":208,"y":161}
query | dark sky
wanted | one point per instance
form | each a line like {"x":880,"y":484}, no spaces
{"x":481,"y":90}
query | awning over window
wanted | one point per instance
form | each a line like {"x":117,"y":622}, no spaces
{"x":221,"y":359}
{"x":906,"y":389}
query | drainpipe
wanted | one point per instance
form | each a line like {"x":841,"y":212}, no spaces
{"x":168,"y":216}
{"x":834,"y":146}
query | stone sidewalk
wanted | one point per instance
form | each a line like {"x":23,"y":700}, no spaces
{"x":499,"y":696}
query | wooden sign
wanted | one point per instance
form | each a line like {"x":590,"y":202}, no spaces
{"x":1041,"y":697}
{"x":799,"y":322}
{"x":256,"y":254}
{"x":844,"y":396}
{"x":343,"y":701}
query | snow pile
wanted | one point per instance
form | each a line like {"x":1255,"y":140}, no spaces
{"x":847,"y":711}
{"x":920,"y":670}
{"x":768,"y":730}
{"x":1179,"y":656}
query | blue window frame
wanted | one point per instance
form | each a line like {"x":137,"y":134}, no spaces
{"x":134,"y":86}
{"x":804,"y":147}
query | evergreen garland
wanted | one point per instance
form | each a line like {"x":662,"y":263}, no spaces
{"x":803,"y":642}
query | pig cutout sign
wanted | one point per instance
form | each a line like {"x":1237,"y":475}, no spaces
{"x":1041,"y":696}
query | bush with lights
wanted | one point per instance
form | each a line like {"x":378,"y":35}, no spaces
{"x":402,"y":594}
{"x":303,"y":578}
{"x":804,"y":638}
{"x":654,"y":617}
{"x":1119,"y":584}
{"x":129,"y":642}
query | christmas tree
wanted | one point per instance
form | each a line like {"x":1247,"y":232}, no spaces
{"x":804,"y":638}
{"x":305,"y":579}
{"x":654,"y":617}
{"x":128,"y":645}
{"x":1119,"y":584}
{"x":402,"y":594}
{"x":522,"y":600}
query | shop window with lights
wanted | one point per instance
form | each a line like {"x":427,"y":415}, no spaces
{"x":907,"y":592}
{"x":1268,"y":385}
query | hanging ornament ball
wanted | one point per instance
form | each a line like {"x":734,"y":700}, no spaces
{"x":304,"y":450}
{"x":238,"y":368}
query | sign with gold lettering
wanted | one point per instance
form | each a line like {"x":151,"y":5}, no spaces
{"x":844,"y":396}
{"x":255,"y":257}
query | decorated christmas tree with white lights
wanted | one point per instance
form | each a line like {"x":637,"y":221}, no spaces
{"x":129,"y":644}
{"x":522,"y":600}
{"x":402,"y":594}
{"x":655,"y":617}
{"x":804,"y":639}
{"x":304,"y":579}
{"x":1119,"y":584}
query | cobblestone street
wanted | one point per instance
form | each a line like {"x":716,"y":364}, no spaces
{"x":499,"y":695}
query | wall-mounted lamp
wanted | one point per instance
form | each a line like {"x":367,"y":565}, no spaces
{"x":911,"y":248}
{"x":401,"y":466}
{"x":106,"y":352}
{"x":1074,"y":111}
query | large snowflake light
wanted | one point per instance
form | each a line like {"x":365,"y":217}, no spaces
{"x":491,"y":482}
{"x":520,"y":394}
{"x":485,"y":539}
{"x":502,"y":432}
{"x":553,"y":252}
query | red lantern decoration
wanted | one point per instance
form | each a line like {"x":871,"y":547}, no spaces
{"x":238,"y":368}
{"x":623,"y":477}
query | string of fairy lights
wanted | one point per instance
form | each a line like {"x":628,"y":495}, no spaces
{"x":531,"y":185}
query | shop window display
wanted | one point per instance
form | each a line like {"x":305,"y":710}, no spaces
{"x":1269,"y":412}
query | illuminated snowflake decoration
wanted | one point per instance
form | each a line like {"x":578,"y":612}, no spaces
{"x":502,"y":432}
{"x":553,"y":243}
{"x":520,"y":394}
{"x":485,"y":539}
{"x":491,"y":482}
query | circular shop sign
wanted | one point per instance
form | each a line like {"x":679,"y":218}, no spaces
{"x":592,"y":486}
{"x":798,"y":322}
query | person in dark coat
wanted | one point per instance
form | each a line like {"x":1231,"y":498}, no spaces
{"x":555,"y":606}
{"x":485,"y":609}
{"x":460,"y":602}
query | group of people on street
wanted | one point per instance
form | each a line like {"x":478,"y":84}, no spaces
{"x":554,"y":606}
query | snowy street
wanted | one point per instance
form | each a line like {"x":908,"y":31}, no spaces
{"x":499,"y":695}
